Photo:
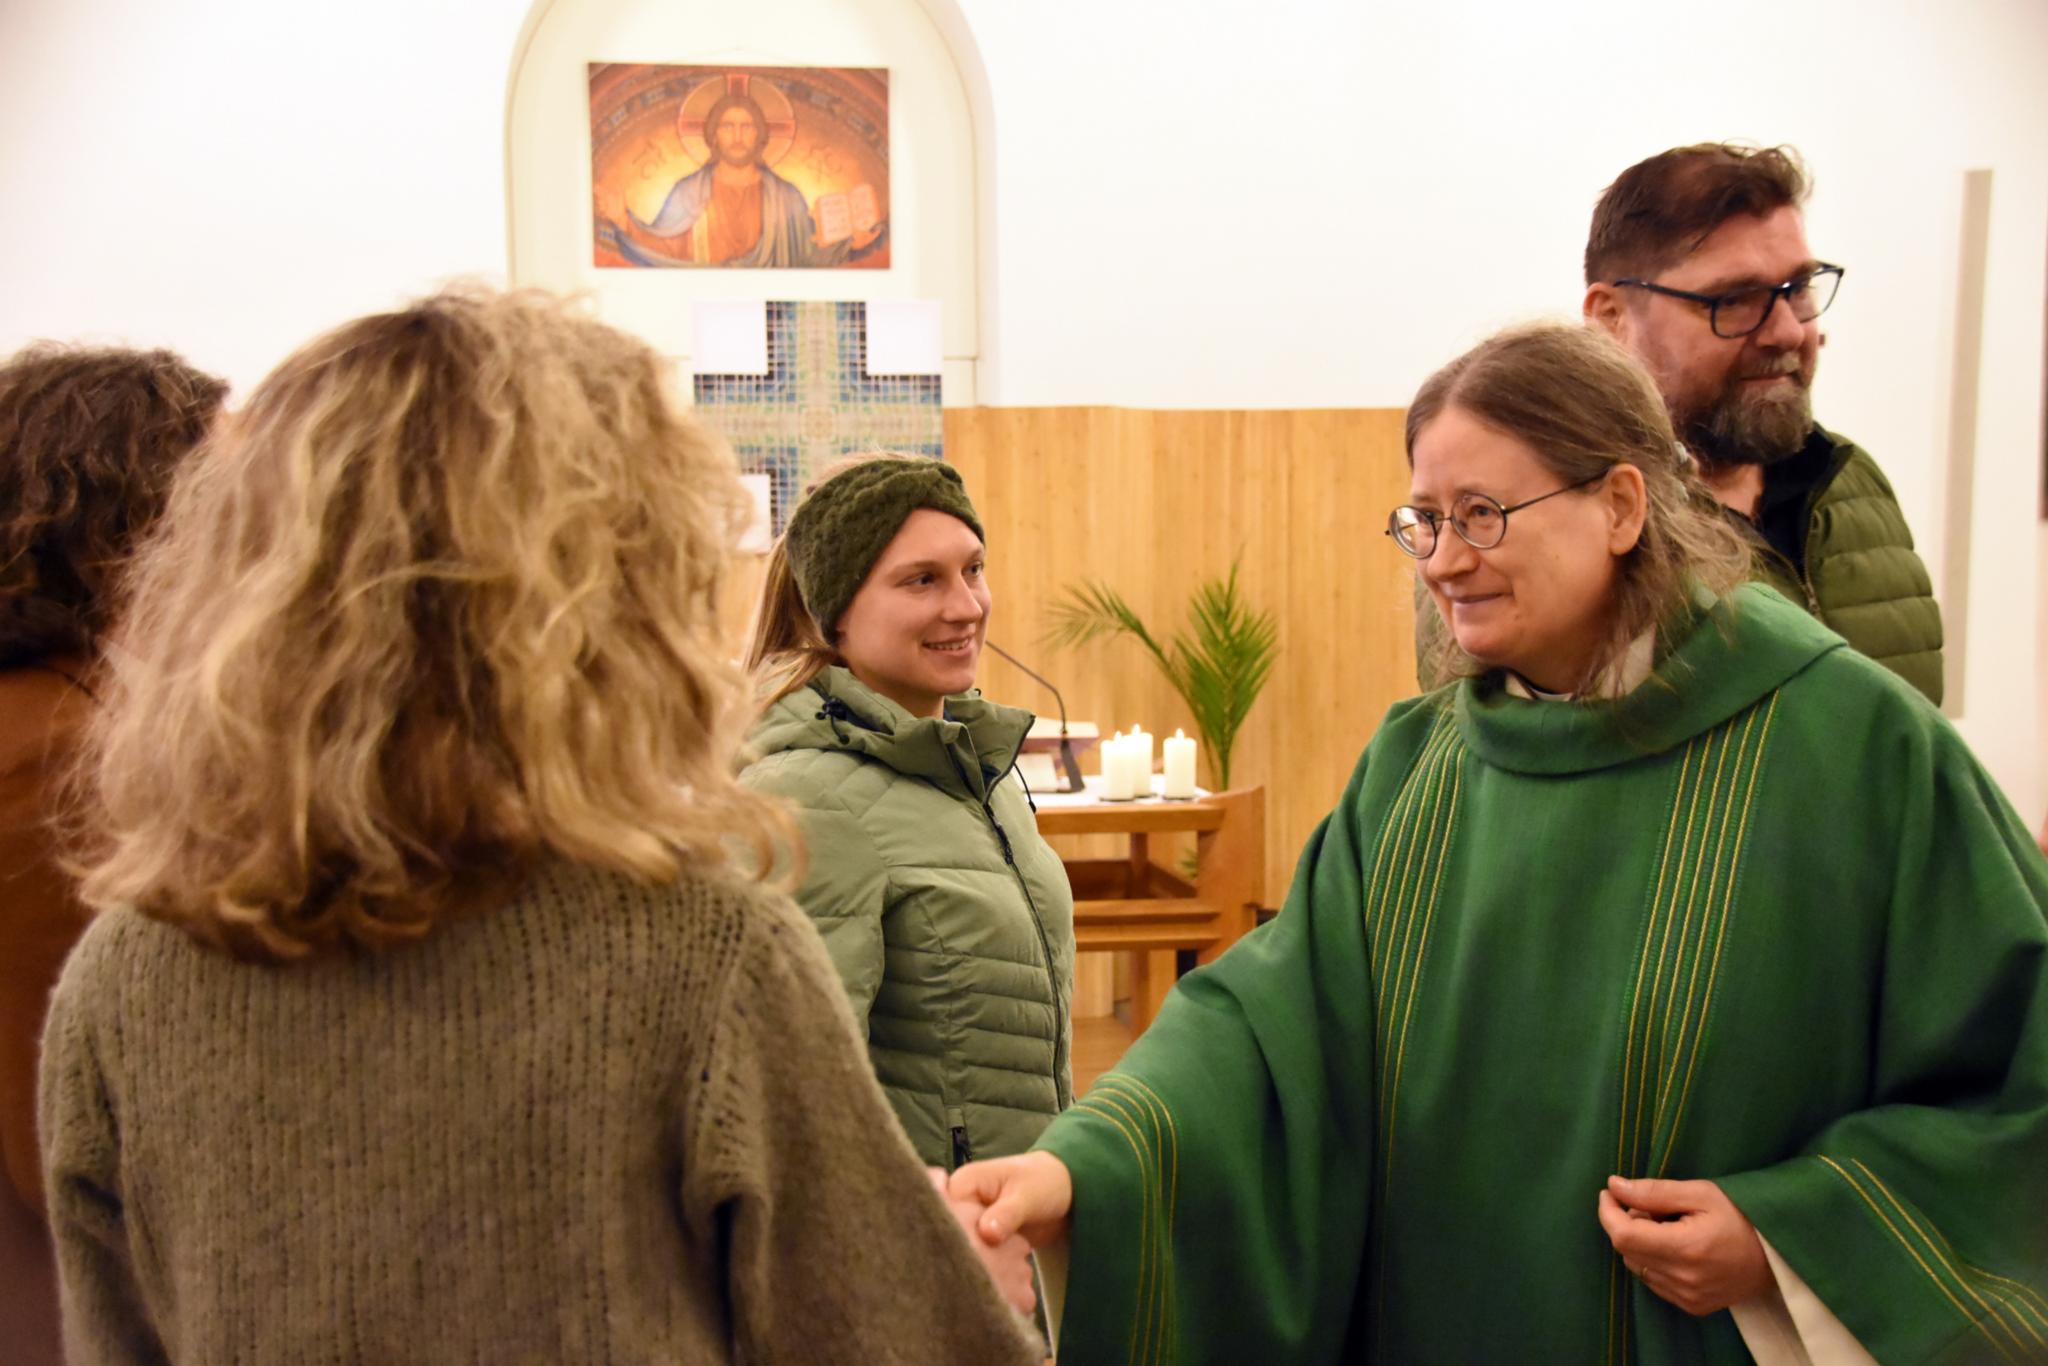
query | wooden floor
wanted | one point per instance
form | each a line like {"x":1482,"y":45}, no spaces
{"x":1099,"y":1041}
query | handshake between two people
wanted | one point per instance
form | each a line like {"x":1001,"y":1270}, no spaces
{"x":1008,"y":1207}
{"x":1684,"y":1239}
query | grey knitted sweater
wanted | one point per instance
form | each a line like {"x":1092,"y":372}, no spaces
{"x":606,"y":1122}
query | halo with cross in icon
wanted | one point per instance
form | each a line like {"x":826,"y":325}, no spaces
{"x":705,"y":95}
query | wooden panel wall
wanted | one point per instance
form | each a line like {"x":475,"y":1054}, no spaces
{"x":1151,"y":502}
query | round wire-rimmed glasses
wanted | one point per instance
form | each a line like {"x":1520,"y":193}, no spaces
{"x":1481,"y":522}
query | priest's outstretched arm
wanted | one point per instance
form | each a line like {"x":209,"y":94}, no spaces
{"x":1220,"y":1175}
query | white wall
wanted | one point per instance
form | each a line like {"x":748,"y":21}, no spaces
{"x":1196,"y":204}
{"x":228,"y":177}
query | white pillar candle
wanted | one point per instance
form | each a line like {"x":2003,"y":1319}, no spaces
{"x":1180,"y":767}
{"x":1116,"y":769}
{"x":1133,"y":780}
{"x":1141,"y":746}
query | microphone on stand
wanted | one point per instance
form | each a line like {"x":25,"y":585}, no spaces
{"x":1069,"y":765}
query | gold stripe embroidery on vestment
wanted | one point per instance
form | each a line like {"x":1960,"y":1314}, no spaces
{"x":1657,"y":933}
{"x":1421,"y":953}
{"x":1165,"y":1113}
{"x":1945,"y":1253}
{"x":1621,"y":1158}
{"x":1679,"y":943}
{"x":1400,"y":902}
{"x":1403,"y":802}
{"x":1160,"y":1116}
{"x":2025,"y":1296}
{"x":1153,"y":1324}
{"x":1141,"y":1346}
{"x":2010,"y":1295}
{"x":1401,"y":977}
{"x":1688,"y":800}
{"x":1692,"y":947}
{"x":1381,"y":893}
{"x":1397,"y":898}
{"x":1671,"y":998}
{"x":1914,"y":1253}
{"x":1721,"y":933}
{"x":1617,"y":1299}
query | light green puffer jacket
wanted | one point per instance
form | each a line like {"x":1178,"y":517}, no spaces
{"x":949,"y":918}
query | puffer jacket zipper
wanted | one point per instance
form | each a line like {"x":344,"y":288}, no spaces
{"x":1838,"y":460}
{"x":1798,"y":576}
{"x":1059,"y":1013}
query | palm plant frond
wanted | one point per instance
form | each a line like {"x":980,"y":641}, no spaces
{"x":1089,"y":611}
{"x":1218,"y":666}
{"x":1092,"y":611}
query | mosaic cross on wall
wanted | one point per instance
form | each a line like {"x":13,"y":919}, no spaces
{"x":818,"y":402}
{"x":735,"y":167}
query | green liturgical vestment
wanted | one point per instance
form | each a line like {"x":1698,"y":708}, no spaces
{"x":1764,"y":921}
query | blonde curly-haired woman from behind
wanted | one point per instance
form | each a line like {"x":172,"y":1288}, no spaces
{"x":438,"y":1010}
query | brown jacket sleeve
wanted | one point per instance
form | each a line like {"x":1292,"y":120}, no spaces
{"x":836,"y":1247}
{"x":40,"y":916}
{"x":40,"y":919}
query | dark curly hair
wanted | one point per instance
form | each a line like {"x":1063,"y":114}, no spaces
{"x":89,"y":437}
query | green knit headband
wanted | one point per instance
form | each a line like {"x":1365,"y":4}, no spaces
{"x":842,"y":526}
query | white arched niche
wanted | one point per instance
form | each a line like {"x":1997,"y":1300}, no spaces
{"x":936,"y":91}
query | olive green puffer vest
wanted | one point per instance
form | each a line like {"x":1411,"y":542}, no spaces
{"x":1863,"y":578}
{"x":948,"y":917}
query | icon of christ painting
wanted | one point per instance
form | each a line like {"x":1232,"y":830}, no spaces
{"x":759,"y":168}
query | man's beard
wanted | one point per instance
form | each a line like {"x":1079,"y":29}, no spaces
{"x":1738,"y":429}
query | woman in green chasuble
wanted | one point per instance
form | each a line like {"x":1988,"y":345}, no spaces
{"x":1671,"y":985}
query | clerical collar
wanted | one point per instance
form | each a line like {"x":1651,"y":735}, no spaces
{"x":1621,"y":679}
{"x":1521,"y":687}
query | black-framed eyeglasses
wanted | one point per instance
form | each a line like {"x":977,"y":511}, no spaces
{"x":1481,"y":522}
{"x":1740,"y":312}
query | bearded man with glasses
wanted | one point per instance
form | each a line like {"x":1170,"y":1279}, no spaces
{"x":1697,"y":262}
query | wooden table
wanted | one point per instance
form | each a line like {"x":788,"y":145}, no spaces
{"x":1134,"y":905}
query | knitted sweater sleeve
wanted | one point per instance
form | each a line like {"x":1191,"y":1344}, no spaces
{"x":835,"y":1244}
{"x":104,"y":1316}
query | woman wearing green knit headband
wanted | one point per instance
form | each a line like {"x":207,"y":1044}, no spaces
{"x":949,"y":918}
